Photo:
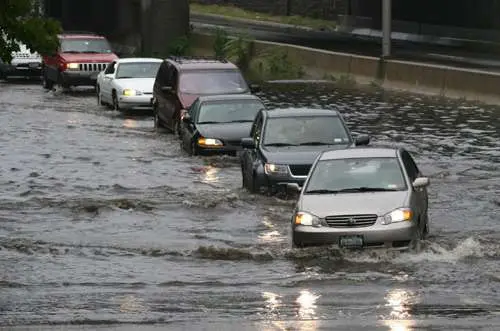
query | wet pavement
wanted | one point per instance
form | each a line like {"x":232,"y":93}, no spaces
{"x":104,"y":221}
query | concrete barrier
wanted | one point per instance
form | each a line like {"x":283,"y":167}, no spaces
{"x":416,"y":77}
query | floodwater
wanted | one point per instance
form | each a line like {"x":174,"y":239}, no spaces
{"x":106,"y":223}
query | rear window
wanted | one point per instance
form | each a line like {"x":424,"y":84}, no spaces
{"x":83,"y":45}
{"x":206,"y":82}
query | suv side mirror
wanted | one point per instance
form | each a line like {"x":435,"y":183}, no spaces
{"x":421,"y":182}
{"x":247,"y":143}
{"x":186,"y":118}
{"x":362,"y":140}
{"x":167,"y":89}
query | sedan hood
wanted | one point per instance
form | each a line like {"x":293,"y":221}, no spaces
{"x":225,"y":131}
{"x":379,"y":203}
{"x":296,"y":154}
{"x":144,"y":85}
{"x":88,"y":57}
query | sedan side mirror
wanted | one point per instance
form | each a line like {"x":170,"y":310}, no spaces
{"x":255,"y":88}
{"x":167,"y":89}
{"x":294,"y":187}
{"x":362,"y":140}
{"x":247,"y":143}
{"x":421,"y":182}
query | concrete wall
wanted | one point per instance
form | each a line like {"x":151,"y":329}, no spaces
{"x":325,"y":9}
{"x":400,"y":75}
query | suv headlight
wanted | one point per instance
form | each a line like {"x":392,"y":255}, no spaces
{"x":130,"y":92}
{"x":72,"y":65}
{"x":398,"y":215}
{"x":307,"y":219}
{"x":275,"y":169}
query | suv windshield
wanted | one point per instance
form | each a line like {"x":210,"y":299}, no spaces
{"x":229,"y":111}
{"x":204,"y":82}
{"x":356,"y":175}
{"x":138,"y":70}
{"x":314,"y":130}
{"x":85,"y":46}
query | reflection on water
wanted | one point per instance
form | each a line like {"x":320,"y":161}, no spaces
{"x":130,"y":123}
{"x":399,"y":300}
{"x":307,"y":304}
{"x":210,"y":175}
{"x":273,"y":301}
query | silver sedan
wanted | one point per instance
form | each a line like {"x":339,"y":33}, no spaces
{"x":362,"y":197}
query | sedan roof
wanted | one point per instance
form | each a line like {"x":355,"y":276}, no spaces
{"x":139,"y":60}
{"x":226,"y":97}
{"x":299,"y":112}
{"x":357,"y":152}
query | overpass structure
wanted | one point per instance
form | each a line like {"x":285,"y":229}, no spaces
{"x":145,"y":25}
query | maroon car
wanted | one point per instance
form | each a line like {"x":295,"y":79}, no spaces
{"x":180,"y":80}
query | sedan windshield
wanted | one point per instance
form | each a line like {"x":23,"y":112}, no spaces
{"x":97,"y":46}
{"x":138,"y":70}
{"x":356,"y":175}
{"x":206,"y":82}
{"x":229,"y":111}
{"x":303,"y":131}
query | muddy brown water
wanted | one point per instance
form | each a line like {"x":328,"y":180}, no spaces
{"x":104,"y":221}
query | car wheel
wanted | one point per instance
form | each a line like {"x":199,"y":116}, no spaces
{"x":193,"y":151}
{"x":426,"y":230}
{"x":116,"y":105}
{"x":295,"y":243}
{"x":99,"y":96}
{"x":416,"y":242}
{"x":47,"y":83}
{"x":243,"y":178}
{"x":254,"y":185}
{"x":175,"y":127}
{"x":2,"y":75}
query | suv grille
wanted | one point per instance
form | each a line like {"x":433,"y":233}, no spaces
{"x":344,"y":221}
{"x":300,"y":169}
{"x":92,"y":66}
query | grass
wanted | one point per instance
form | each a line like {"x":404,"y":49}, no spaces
{"x":235,"y":12}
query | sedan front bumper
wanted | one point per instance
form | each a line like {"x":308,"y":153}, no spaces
{"x":136,"y":101}
{"x":391,"y":235}
{"x":31,"y":70}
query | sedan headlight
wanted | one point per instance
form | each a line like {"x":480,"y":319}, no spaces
{"x":275,"y":169}
{"x":209,"y":142}
{"x":130,"y":92}
{"x":306,"y":219}
{"x":398,"y":215}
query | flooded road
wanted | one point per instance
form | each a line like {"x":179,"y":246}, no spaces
{"x":104,"y":221}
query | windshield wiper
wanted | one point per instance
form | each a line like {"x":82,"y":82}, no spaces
{"x":240,"y":121}
{"x":322,"y":191}
{"x":314,"y":143}
{"x":72,"y":52}
{"x":210,"y":122}
{"x":279,"y":144}
{"x":124,"y":77}
{"x":351,"y":190}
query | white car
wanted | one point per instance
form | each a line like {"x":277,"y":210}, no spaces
{"x":127,"y":83}
{"x":24,"y":64}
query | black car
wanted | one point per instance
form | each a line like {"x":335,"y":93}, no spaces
{"x":285,"y":142}
{"x":216,"y":124}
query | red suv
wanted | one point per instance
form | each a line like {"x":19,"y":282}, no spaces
{"x":78,"y":61}
{"x":180,"y":80}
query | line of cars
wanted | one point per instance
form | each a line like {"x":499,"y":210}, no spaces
{"x":349,"y":194}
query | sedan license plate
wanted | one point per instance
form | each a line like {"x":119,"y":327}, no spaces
{"x":351,"y":242}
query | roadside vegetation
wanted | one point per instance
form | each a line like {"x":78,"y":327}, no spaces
{"x":235,"y":12}
{"x":21,"y":22}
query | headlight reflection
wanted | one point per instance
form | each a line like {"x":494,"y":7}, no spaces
{"x":210,"y":175}
{"x":398,"y":301}
{"x":307,"y":304}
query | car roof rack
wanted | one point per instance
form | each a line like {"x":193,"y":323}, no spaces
{"x":204,"y":59}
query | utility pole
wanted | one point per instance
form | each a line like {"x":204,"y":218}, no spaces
{"x":386,"y":27}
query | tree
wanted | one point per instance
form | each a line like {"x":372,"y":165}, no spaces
{"x":20,"y":21}
{"x":165,"y":22}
